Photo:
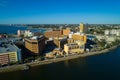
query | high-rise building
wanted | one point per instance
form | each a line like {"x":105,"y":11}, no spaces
{"x":35,"y":45}
{"x":83,"y":28}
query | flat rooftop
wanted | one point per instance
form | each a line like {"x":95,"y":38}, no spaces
{"x":9,"y":39}
{"x":72,"y":44}
{"x":5,"y":48}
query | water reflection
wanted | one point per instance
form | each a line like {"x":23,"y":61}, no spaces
{"x":98,"y":67}
{"x":80,"y":62}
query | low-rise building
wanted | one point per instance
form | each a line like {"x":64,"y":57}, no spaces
{"x":53,"y":33}
{"x":110,"y":39}
{"x":59,"y":42}
{"x":9,"y":53}
{"x":76,"y":37}
{"x":57,"y":33}
{"x":79,"y":36}
{"x":115,"y":32}
{"x":74,"y":48}
{"x":66,"y":31}
{"x":107,"y":32}
{"x":28,"y":33}
{"x":55,"y":53}
{"x":25,"y":33}
{"x":100,"y":37}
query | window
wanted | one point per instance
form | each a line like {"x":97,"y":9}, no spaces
{"x":82,"y":47}
{"x":34,"y":42}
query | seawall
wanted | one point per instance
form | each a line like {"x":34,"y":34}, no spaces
{"x":38,"y":63}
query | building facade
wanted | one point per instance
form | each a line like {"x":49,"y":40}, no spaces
{"x":78,"y":36}
{"x":66,"y":31}
{"x":52,"y":34}
{"x":25,"y":33}
{"x":114,"y":32}
{"x":57,"y":33}
{"x":83,"y":28}
{"x":9,"y":54}
{"x":4,"y":59}
{"x":74,"y":48}
{"x":35,"y":45}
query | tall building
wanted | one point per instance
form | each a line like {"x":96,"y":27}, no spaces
{"x":83,"y":28}
{"x":35,"y":45}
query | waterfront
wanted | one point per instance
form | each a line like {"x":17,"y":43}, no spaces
{"x":11,"y":29}
{"x":14,"y":29}
{"x":97,"y":67}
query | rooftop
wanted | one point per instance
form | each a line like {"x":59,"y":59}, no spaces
{"x":36,"y":37}
{"x":79,"y":33}
{"x":57,"y":49}
{"x":5,"y":48}
{"x":72,"y":44}
{"x":9,"y":39}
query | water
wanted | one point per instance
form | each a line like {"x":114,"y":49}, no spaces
{"x":11,"y":29}
{"x":98,"y":67}
{"x":14,"y":29}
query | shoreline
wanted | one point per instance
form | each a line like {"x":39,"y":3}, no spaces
{"x":49,"y":61}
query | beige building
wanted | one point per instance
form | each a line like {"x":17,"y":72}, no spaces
{"x":78,"y":36}
{"x":59,"y":42}
{"x":53,"y":33}
{"x":83,"y":28}
{"x":9,"y":54}
{"x":76,"y":44}
{"x":56,"y":52}
{"x":66,"y":31}
{"x":35,"y":45}
{"x":74,"y":48}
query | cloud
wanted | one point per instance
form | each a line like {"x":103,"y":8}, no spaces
{"x":3,"y":3}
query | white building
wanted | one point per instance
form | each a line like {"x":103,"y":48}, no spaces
{"x":110,"y":39}
{"x":115,"y":32}
{"x":107,"y":32}
{"x":100,"y":37}
{"x":26,"y":33}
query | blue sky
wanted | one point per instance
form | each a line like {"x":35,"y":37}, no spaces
{"x":59,"y":11}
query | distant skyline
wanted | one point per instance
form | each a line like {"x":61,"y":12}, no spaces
{"x":59,"y":11}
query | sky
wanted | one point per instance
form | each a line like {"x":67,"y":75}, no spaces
{"x":59,"y":11}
